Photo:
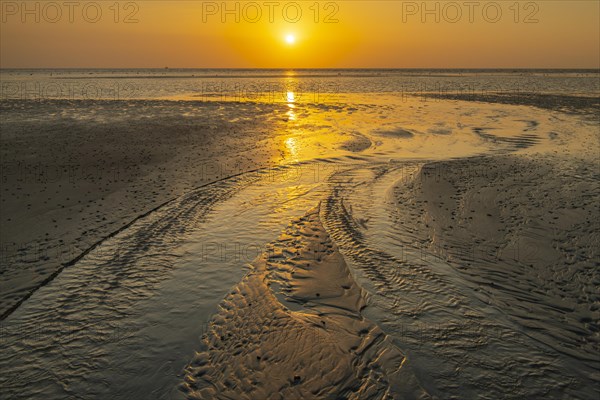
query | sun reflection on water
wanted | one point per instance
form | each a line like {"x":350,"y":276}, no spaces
{"x":291,"y":97}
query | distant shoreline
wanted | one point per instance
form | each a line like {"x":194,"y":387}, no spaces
{"x":472,"y":70}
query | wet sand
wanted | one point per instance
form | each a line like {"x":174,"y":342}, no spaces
{"x":77,"y":172}
{"x":430,"y":248}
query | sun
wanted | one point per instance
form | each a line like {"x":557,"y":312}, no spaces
{"x":290,"y":39}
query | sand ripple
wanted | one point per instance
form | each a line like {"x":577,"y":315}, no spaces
{"x":321,"y":348}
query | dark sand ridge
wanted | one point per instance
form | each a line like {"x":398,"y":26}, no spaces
{"x":524,"y":232}
{"x":585,"y":105}
{"x":293,"y":329}
{"x":527,"y":239}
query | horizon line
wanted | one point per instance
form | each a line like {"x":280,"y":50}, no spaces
{"x":318,"y":68}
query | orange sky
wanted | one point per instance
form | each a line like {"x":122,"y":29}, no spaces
{"x":386,"y":34}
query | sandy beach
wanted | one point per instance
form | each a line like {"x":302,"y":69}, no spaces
{"x":370,"y":246}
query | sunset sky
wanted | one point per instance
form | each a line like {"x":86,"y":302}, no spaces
{"x":302,"y":34}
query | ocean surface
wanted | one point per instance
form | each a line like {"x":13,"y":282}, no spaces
{"x":459,"y":209}
{"x":309,"y":85}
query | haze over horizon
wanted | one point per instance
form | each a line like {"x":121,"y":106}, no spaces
{"x":357,"y":34}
